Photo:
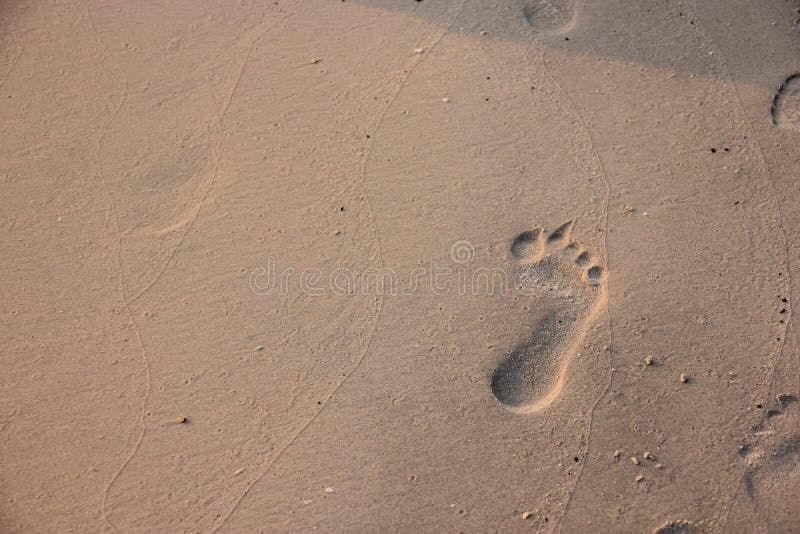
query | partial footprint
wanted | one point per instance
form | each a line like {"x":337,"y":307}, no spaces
{"x":549,"y":15}
{"x":677,"y":527}
{"x":786,"y":104}
{"x":569,"y":283}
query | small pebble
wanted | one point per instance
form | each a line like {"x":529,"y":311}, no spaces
{"x":484,"y":32}
{"x":306,"y":502}
{"x":659,"y":466}
{"x":648,"y":360}
{"x":238,"y":471}
{"x":647,"y":456}
{"x":446,"y":99}
{"x":526,"y":515}
{"x":634,"y":460}
{"x":419,"y":50}
{"x":683,"y":378}
{"x":314,"y":60}
{"x":616,"y":454}
{"x":259,"y":348}
{"x":639,"y":478}
{"x":329,"y":490}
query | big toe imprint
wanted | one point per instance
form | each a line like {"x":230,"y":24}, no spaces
{"x":549,"y":15}
{"x":569,"y":284}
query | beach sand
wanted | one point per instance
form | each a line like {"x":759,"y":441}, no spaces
{"x":373,"y":266}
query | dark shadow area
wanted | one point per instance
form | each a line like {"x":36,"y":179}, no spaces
{"x":758,"y":41}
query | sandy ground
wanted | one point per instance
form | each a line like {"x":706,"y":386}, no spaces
{"x":374,"y":266}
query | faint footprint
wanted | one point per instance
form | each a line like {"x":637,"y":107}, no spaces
{"x":570,"y":284}
{"x":786,"y":104}
{"x":549,"y":15}
{"x":772,"y":478}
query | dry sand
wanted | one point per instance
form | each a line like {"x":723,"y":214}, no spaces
{"x":375,"y":265}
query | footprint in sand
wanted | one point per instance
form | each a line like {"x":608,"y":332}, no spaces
{"x":676,"y":527}
{"x":786,"y":104}
{"x":549,"y":15}
{"x":570,"y":284}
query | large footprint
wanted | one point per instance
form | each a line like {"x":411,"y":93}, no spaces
{"x":570,"y":283}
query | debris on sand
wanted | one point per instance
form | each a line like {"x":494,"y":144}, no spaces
{"x":314,"y":60}
{"x":329,"y":490}
{"x":639,"y":478}
{"x":259,"y":348}
{"x":175,"y":421}
{"x":634,"y":460}
{"x":616,"y":454}
{"x":648,"y":456}
{"x":526,"y":515}
{"x":649,"y":360}
{"x":419,"y":50}
{"x":683,"y":378}
{"x":181,"y":420}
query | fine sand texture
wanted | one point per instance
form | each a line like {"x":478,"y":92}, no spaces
{"x":400,"y":266}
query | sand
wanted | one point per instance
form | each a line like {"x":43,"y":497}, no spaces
{"x":371,"y":266}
